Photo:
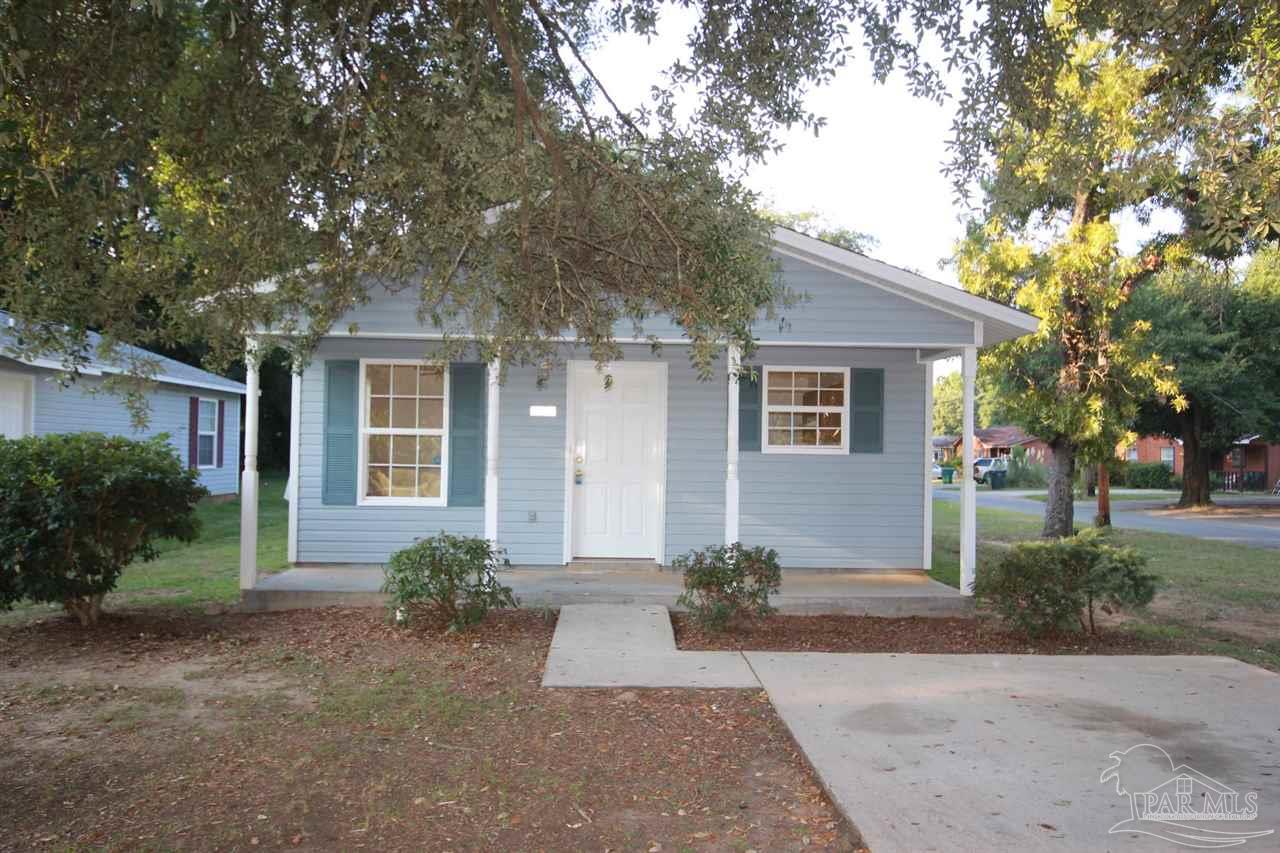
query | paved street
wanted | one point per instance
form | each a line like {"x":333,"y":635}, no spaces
{"x":1138,"y":515}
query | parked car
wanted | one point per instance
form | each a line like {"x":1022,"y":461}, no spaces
{"x":987,"y":464}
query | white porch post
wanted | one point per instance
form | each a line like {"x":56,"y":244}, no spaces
{"x":249,"y":479}
{"x":731,"y":490}
{"x":491,"y":454}
{"x":968,"y":488}
{"x":295,"y":453}
{"x":926,"y":556}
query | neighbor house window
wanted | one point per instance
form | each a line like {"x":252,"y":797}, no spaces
{"x":1132,"y":455}
{"x":403,"y":416}
{"x":1166,"y":456}
{"x":207,"y":435}
{"x":806,"y":409}
{"x":1237,"y":457}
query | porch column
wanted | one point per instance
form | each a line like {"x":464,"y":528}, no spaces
{"x":968,"y":488}
{"x":926,"y":555}
{"x":249,"y":479}
{"x":731,"y":490}
{"x":491,"y":454}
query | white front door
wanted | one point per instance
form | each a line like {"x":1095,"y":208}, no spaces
{"x":15,"y":405}
{"x":619,"y":450}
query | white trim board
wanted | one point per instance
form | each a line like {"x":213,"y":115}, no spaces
{"x":31,"y":397}
{"x":164,"y":378}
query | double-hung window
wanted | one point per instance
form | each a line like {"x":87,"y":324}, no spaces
{"x":806,"y":410}
{"x":1166,"y":457}
{"x":403,"y":433}
{"x":207,"y":434}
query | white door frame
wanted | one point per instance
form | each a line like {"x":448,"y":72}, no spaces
{"x":572,"y":367}
{"x":30,"y":379}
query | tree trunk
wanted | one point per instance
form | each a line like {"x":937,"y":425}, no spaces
{"x":1059,"y":507}
{"x":1103,"y":517}
{"x":1195,"y":463}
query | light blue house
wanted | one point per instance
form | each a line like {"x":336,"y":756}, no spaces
{"x":199,"y":410}
{"x":822,"y":451}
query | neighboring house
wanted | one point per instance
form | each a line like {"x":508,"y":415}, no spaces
{"x":944,"y":447}
{"x":821,"y":451}
{"x":199,"y":410}
{"x":1250,"y":465}
{"x":1001,"y":440}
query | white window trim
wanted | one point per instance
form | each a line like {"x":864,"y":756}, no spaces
{"x":363,"y":430}
{"x":806,"y":450}
{"x":200,"y":433}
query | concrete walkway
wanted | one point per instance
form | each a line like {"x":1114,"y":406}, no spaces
{"x":974,"y":752}
{"x":1261,"y":532}
{"x":611,"y":645}
{"x":870,"y":593}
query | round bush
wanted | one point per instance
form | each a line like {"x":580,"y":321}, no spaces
{"x":76,"y":509}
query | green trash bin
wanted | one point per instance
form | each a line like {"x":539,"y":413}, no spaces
{"x":996,"y":478}
{"x":948,"y":474}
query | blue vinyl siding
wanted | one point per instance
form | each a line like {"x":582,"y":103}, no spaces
{"x":359,"y":534}
{"x":836,"y":309}
{"x":78,"y":409}
{"x":856,"y":510}
{"x":531,"y":469}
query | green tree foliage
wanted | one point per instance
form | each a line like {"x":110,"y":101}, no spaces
{"x":1220,"y":334}
{"x":178,"y":154}
{"x":948,"y":403}
{"x":76,"y":509}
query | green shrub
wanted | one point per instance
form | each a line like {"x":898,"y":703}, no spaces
{"x":449,"y":579}
{"x":1026,"y":473}
{"x":76,"y":509}
{"x":1148,"y":475}
{"x":1045,"y":586}
{"x":722,"y":583}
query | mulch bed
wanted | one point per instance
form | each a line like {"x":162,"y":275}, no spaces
{"x":907,"y":635}
{"x":332,"y":730}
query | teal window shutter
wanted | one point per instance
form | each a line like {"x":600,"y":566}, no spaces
{"x":341,"y":431}
{"x":749,"y":409}
{"x":867,"y":411}
{"x":466,"y":434}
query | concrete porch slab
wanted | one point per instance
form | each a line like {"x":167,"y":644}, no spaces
{"x":1006,"y":753}
{"x":870,"y":593}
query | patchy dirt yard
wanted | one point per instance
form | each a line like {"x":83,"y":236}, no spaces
{"x":909,"y":635}
{"x":330,"y":730}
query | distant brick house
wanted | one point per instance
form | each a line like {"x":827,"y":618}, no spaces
{"x":1250,"y":465}
{"x":1001,"y":440}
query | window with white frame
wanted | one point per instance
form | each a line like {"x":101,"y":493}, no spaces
{"x":402,"y":432}
{"x":1132,"y":454}
{"x":1166,"y":456}
{"x":806,"y":409}
{"x":207,"y":434}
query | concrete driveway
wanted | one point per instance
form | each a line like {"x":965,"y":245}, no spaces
{"x":1139,"y":515}
{"x":1004,"y":752}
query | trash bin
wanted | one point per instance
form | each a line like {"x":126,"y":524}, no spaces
{"x":947,"y":475}
{"x":996,"y":478}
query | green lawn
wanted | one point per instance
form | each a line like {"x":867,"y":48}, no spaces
{"x":206,"y":571}
{"x":1223,"y":597}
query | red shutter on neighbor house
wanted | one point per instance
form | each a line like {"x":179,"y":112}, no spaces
{"x":193,"y":434}
{"x":222,"y":423}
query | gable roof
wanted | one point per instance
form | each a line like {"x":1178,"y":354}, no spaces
{"x":1001,"y":436}
{"x":999,"y":322}
{"x":169,"y":370}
